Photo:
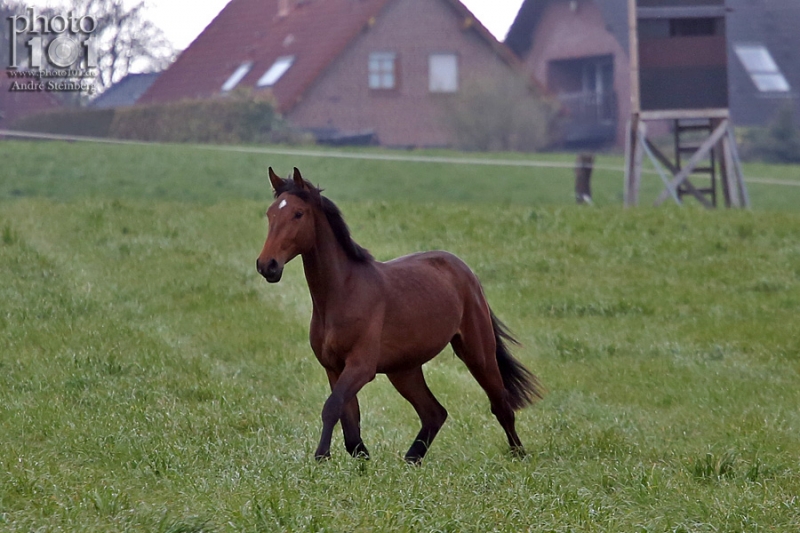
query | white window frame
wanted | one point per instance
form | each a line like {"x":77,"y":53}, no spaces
{"x":382,"y":71}
{"x":234,"y":79}
{"x":276,"y":71}
{"x":762,"y":68}
{"x":443,"y":73}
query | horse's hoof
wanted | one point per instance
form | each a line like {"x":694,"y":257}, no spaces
{"x":518,"y":452}
{"x":413,"y":460}
{"x":320,"y":457}
{"x":359,"y":451}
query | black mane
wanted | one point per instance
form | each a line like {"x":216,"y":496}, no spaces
{"x":313,"y":195}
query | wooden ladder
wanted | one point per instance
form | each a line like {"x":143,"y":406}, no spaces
{"x":687,"y":143}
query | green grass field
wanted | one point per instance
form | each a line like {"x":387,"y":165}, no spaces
{"x":150,"y":380}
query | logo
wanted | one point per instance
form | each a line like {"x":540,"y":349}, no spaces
{"x":56,"y":48}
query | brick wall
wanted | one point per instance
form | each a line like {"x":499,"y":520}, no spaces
{"x":564,"y":33}
{"x":409,"y":115}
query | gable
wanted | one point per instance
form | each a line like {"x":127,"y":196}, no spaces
{"x":521,"y":33}
{"x":392,"y":80}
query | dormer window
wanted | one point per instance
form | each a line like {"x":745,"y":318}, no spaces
{"x":762,"y":69}
{"x":275,"y":72}
{"x":237,"y":76}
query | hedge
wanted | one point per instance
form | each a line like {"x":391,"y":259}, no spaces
{"x":237,"y":118}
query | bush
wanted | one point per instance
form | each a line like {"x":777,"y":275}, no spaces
{"x":779,"y":142}
{"x":239,"y":118}
{"x":502,"y":114}
{"x":86,"y":122}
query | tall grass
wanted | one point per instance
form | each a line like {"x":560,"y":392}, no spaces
{"x":151,"y":381}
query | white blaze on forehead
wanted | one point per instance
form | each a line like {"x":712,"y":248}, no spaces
{"x":282,"y":204}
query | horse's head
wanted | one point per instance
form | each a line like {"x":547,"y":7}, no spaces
{"x":291,"y":224}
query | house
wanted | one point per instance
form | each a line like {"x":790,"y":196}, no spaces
{"x":125,"y":92}
{"x":17,"y":104}
{"x":578,"y":49}
{"x":340,"y":67}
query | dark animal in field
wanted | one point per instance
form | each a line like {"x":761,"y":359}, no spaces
{"x":391,"y":317}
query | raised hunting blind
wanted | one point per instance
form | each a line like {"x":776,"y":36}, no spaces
{"x":679,"y":73}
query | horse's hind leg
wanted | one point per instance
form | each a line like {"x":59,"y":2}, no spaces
{"x":411,"y":385}
{"x":351,"y":424}
{"x":475,"y":346}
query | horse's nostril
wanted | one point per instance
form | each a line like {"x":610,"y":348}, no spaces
{"x":272,"y":265}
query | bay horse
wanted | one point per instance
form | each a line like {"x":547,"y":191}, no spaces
{"x":371,"y":317}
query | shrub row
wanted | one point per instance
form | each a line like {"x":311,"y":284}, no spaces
{"x":778,"y":142}
{"x":239,"y":118}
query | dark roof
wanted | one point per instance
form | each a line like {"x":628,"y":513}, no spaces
{"x":615,"y":14}
{"x":772,"y":23}
{"x":520,"y":35}
{"x":126,"y":91}
{"x":315,"y":32}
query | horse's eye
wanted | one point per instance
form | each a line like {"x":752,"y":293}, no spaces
{"x":298,"y":214}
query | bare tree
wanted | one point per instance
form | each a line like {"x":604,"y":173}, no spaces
{"x":124,"y":39}
{"x":9,"y":9}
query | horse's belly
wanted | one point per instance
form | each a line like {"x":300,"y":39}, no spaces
{"x":418,"y":333}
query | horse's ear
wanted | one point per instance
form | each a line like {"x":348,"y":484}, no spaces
{"x":277,"y":182}
{"x":298,"y":180}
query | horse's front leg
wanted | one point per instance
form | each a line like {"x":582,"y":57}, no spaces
{"x":355,"y":375}
{"x":351,"y":423}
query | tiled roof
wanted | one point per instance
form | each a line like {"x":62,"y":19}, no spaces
{"x":314,"y":33}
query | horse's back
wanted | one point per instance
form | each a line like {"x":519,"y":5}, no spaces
{"x":426,"y":294}
{"x":435,"y":272}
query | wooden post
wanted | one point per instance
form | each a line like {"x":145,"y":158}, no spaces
{"x":729,"y":187}
{"x":744,"y":196}
{"x":633,"y":54}
{"x":633,"y":169}
{"x":633,"y":159}
{"x":583,"y":176}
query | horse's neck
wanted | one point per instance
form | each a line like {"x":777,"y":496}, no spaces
{"x":326,"y":266}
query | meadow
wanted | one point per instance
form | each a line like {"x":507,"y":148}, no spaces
{"x":150,"y":380}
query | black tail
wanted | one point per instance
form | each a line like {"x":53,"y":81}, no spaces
{"x":522,"y":386}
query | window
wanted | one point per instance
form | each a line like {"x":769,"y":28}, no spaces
{"x":443,"y":73}
{"x":693,"y":27}
{"x":274,"y":73}
{"x":762,"y":68}
{"x":237,"y":76}
{"x":382,"y":70}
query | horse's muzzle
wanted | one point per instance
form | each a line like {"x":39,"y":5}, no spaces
{"x":272,"y":271}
